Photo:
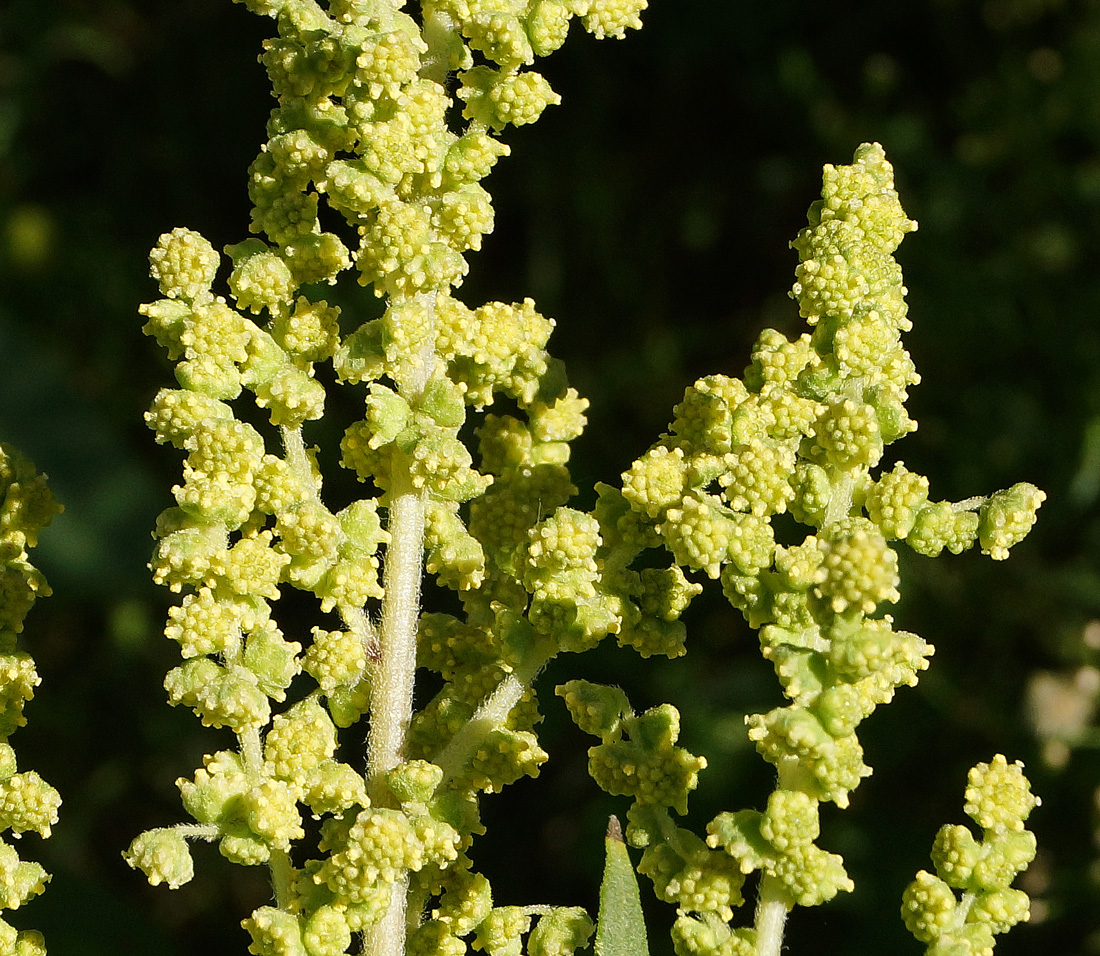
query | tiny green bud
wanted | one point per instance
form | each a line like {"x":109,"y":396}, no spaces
{"x":163,"y":856}
{"x":790,"y":820}
{"x":184,"y":264}
{"x":27,"y":802}
{"x":998,"y":795}
{"x":260,"y":278}
{"x":595,"y":709}
{"x":414,"y":781}
{"x":927,"y":906}
{"x":326,"y":932}
{"x":560,"y":932}
{"x":955,"y":853}
{"x":499,"y":934}
{"x":1006,"y":518}
{"x":275,"y":932}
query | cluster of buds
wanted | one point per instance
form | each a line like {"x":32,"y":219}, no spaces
{"x":370,"y":128}
{"x":801,"y":435}
{"x":367,"y":129}
{"x":27,"y":802}
{"x":999,"y":800}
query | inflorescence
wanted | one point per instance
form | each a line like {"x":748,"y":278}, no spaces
{"x":367,"y":124}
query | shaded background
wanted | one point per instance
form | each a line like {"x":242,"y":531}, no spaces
{"x":650,"y":215}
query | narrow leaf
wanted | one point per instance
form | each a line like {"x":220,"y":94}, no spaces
{"x":621,"y":929}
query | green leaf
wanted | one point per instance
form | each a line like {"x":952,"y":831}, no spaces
{"x":621,"y":929}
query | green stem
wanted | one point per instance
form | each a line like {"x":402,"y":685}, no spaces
{"x":282,"y":878}
{"x":771,"y":915}
{"x":282,"y":871}
{"x":394,"y":676}
{"x":840,"y":504}
{"x":492,"y":713}
{"x":195,"y":831}
{"x":439,"y":33}
{"x":360,"y":624}
{"x":298,"y":460}
{"x":392,"y":693}
{"x":252,"y":751}
{"x":773,"y":902}
{"x":387,"y":937}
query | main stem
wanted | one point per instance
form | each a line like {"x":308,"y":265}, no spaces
{"x":394,"y":676}
{"x":392,"y":691}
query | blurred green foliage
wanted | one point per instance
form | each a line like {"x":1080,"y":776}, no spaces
{"x":650,"y":215}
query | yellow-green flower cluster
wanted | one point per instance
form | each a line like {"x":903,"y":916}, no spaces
{"x":362,"y":121}
{"x":560,"y":930}
{"x":367,"y":123}
{"x":780,"y":842}
{"x":367,"y":126}
{"x":27,"y":802}
{"x":970,"y":898}
{"x":683,"y":869}
{"x":638,"y":756}
{"x":801,"y":433}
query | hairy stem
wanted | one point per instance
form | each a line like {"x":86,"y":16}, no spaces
{"x":771,"y":915}
{"x":282,"y":871}
{"x":297,"y":459}
{"x":394,"y":677}
{"x":387,"y":937}
{"x":773,"y":902}
{"x":392,"y":694}
{"x":282,"y":878}
{"x":492,"y":712}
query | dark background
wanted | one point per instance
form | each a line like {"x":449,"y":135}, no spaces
{"x":650,"y":215}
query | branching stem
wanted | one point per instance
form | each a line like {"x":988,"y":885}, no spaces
{"x":840,"y":504}
{"x":492,"y":713}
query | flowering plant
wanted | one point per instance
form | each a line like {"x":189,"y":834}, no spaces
{"x":770,"y":485}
